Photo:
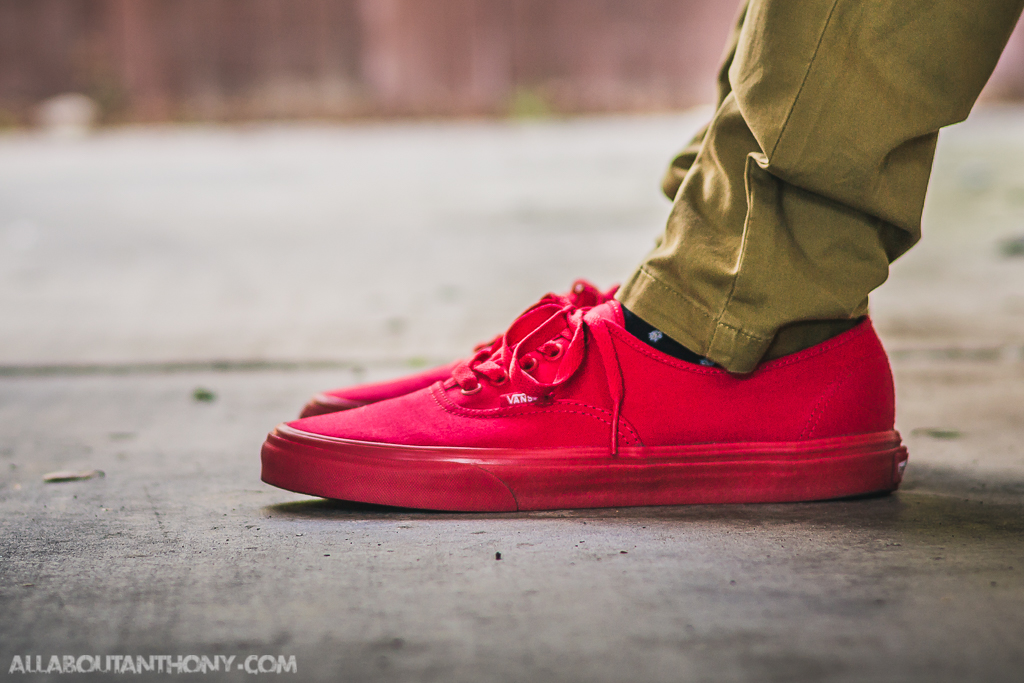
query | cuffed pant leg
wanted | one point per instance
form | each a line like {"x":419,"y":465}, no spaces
{"x":811,"y":177}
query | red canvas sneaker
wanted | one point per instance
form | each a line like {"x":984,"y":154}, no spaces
{"x":582,"y":295}
{"x":572,"y":411}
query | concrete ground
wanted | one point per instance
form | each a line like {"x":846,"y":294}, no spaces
{"x":168,"y":295}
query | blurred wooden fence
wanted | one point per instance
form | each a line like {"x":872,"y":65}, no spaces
{"x":153,"y":60}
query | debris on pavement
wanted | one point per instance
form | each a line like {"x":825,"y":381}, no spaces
{"x":1012,"y":247}
{"x":203,"y":395}
{"x":937,"y":433}
{"x":71,"y":475}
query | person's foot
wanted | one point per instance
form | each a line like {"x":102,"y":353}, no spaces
{"x":570,"y":411}
{"x":582,"y":295}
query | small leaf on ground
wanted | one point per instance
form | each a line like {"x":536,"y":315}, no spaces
{"x":203,"y":395}
{"x":937,"y":433}
{"x":1013,"y":246}
{"x":71,"y":475}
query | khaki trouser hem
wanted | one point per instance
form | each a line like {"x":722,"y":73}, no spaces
{"x":688,"y":323}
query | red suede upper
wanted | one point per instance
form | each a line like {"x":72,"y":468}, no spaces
{"x":562,"y":376}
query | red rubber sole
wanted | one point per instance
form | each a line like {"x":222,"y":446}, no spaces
{"x":497,"y":480}
{"x":321,"y":404}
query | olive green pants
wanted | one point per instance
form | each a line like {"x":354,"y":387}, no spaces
{"x":811,"y":176}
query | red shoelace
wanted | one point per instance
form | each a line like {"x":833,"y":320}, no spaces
{"x":582,"y":294}
{"x":548,"y":340}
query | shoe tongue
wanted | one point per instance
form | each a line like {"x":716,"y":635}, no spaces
{"x":610,"y":311}
{"x":528,"y":322}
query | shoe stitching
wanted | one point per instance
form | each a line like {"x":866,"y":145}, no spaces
{"x":456,"y":409}
{"x":625,"y":428}
{"x":828,"y":395}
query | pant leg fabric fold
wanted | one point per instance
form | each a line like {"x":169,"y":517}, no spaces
{"x":810,"y":178}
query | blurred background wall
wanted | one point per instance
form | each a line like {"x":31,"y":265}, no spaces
{"x":223,"y":60}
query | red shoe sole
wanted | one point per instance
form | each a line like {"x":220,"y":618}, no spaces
{"x":321,"y":404}
{"x":499,"y":480}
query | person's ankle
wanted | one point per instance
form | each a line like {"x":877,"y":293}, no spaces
{"x":657,"y":339}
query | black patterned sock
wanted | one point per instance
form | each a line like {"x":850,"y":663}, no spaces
{"x":656,"y":338}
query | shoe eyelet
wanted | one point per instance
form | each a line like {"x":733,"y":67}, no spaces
{"x":528,"y":363}
{"x":470,"y":392}
{"x":556,"y":354}
{"x":500,"y":380}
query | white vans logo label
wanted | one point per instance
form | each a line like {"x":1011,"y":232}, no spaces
{"x":518,"y":399}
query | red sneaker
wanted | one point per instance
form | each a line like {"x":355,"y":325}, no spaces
{"x":582,"y":295}
{"x":572,"y":411}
